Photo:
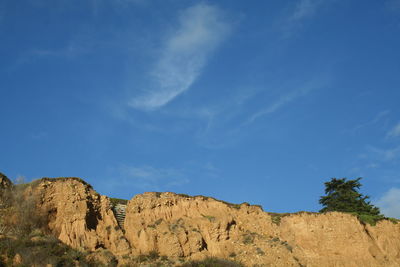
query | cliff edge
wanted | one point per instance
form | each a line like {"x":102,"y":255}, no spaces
{"x":184,"y":227}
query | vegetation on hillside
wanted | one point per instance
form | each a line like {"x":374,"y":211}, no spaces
{"x":115,"y":201}
{"x":38,"y":249}
{"x":212,"y":262}
{"x":342,"y":195}
{"x":25,"y":239}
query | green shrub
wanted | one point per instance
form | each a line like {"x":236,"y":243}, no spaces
{"x":164,"y":258}
{"x":115,"y":201}
{"x":260,"y":252}
{"x":276,"y":217}
{"x":369,"y":219}
{"x":19,"y":215}
{"x":153,"y":255}
{"x":48,"y":250}
{"x":141,"y":258}
{"x":212,"y":262}
{"x":248,"y":238}
{"x":208,"y":217}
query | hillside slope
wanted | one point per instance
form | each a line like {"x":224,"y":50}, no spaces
{"x":182,"y":227}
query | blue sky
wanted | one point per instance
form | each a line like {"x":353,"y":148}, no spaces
{"x":258,"y":102}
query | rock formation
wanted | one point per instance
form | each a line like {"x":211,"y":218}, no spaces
{"x":5,"y":183}
{"x":196,"y":227}
{"x":181,"y":226}
{"x":79,"y":216}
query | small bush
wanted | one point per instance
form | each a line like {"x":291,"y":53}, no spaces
{"x":48,"y":251}
{"x":275,"y":239}
{"x":260,"y":252}
{"x":184,"y":195}
{"x":369,"y":219}
{"x":115,"y":201}
{"x":173,"y":227}
{"x":164,"y":258}
{"x":212,"y":262}
{"x":276,"y":220}
{"x":20,"y":215}
{"x":141,"y":258}
{"x":153,"y":255}
{"x":276,"y":217}
{"x":248,"y":238}
{"x":208,"y":217}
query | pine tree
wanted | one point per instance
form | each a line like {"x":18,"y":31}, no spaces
{"x":342,"y":195}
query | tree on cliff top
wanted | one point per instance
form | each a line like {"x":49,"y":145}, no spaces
{"x":342,"y":195}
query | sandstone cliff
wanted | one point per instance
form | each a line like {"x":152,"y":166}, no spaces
{"x":193,"y":227}
{"x":184,"y":227}
{"x":79,"y":216}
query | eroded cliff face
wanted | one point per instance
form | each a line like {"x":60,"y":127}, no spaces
{"x":337,"y":239}
{"x":195,"y":227}
{"x":79,"y":216}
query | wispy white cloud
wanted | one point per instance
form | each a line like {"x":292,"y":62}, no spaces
{"x":304,"y":9}
{"x":70,"y":51}
{"x":373,"y":165}
{"x":201,"y":29}
{"x":387,"y":154}
{"x":389,"y":203}
{"x":151,"y":178}
{"x":283,"y":100}
{"x":287,"y":98}
{"x":2,"y":12}
{"x":39,"y":135}
{"x":136,"y":2}
{"x":395,"y":131}
{"x":378,"y":117}
{"x":393,"y":5}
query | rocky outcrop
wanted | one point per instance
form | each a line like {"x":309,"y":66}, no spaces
{"x":5,"y":183}
{"x":337,"y":239}
{"x":181,"y":226}
{"x":195,"y":227}
{"x":79,"y":216}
